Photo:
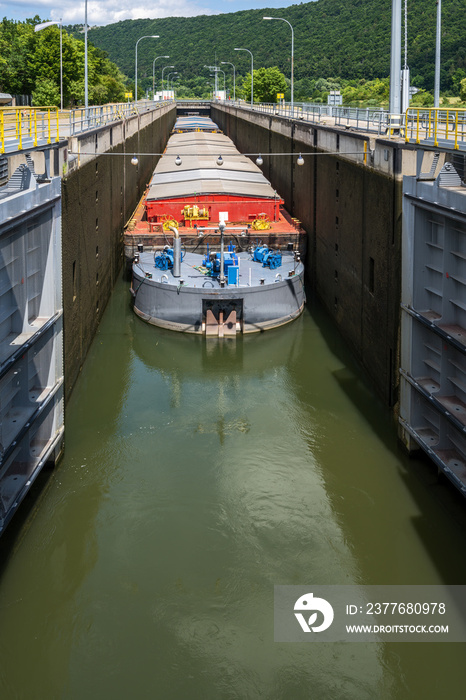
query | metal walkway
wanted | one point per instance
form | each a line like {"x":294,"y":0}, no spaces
{"x":437,"y":128}
{"x":25,"y":128}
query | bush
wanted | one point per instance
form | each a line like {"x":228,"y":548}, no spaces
{"x":463,"y":90}
{"x":46,"y":94}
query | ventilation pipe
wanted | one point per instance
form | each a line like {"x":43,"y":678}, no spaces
{"x":176,"y":252}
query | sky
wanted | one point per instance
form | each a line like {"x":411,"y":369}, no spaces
{"x":109,"y":11}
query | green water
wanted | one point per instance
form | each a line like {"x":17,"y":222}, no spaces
{"x":196,"y":477}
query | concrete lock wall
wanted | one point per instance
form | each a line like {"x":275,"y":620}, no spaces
{"x":98,"y":198}
{"x":349,"y":200}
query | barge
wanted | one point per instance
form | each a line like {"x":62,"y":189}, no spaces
{"x":212,"y":249}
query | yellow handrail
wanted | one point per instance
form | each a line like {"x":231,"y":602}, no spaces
{"x":19,"y":123}
{"x":26,"y":126}
{"x":435,"y":123}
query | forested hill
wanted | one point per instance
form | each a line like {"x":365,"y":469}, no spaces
{"x":345,"y":38}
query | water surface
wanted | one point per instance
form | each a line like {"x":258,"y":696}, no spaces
{"x":197,"y":475}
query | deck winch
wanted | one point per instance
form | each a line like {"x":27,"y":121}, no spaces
{"x":164,"y":259}
{"x":268,"y":257}
{"x":212,"y":262}
{"x":193,"y":212}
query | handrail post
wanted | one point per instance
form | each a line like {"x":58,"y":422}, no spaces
{"x":49,"y":139}
{"x":2,"y":132}
{"x":20,"y":133}
{"x":35,"y":127}
{"x":58,"y":126}
{"x":436,"y":128}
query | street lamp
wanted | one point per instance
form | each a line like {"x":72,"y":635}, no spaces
{"x":292,"y":55}
{"x":252,"y":73}
{"x":224,"y":89}
{"x":214,"y":75}
{"x":150,"y":36}
{"x":44,"y":25}
{"x":162,"y":76}
{"x":168,"y":78}
{"x":234,"y":78}
{"x":153,"y":73}
{"x":173,"y":89}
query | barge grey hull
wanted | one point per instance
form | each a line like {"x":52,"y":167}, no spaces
{"x":183,"y":307}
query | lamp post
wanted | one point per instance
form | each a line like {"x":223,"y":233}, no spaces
{"x":150,"y":36}
{"x":44,"y":25}
{"x":252,"y":73}
{"x":173,"y":89}
{"x":168,"y":78}
{"x":234,"y":77}
{"x":214,"y":76}
{"x":282,"y":19}
{"x":153,"y":73}
{"x":224,"y":89}
{"x":162,"y":76}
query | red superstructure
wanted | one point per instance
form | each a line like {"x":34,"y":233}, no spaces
{"x":197,"y":210}
{"x":202,"y":179}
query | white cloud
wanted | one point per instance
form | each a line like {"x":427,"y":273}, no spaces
{"x":110,"y":11}
{"x":104,"y":11}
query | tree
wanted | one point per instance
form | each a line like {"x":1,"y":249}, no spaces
{"x":30,"y":63}
{"x":268,"y":82}
{"x":46,"y":93}
{"x":422,"y":99}
{"x":463,"y":90}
